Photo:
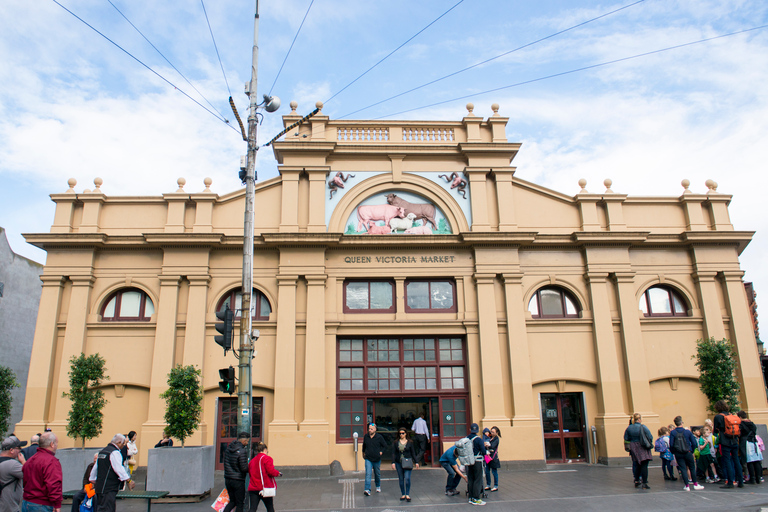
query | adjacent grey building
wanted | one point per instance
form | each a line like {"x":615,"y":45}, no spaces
{"x":20,"y":289}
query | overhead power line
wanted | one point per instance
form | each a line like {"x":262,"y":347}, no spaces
{"x":491,"y":59}
{"x":593,"y":66}
{"x":291,"y":48}
{"x":223,"y":120}
{"x":393,"y":51}
{"x":215,"y":47}
{"x":166,"y":59}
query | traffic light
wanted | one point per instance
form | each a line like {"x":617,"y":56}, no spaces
{"x":227,"y":383}
{"x":226,"y":329}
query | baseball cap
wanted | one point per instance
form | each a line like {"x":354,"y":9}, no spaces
{"x":474,"y":428}
{"x":12,"y":442}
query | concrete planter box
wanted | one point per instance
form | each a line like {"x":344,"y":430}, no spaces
{"x":74,"y":461}
{"x":181,"y":471}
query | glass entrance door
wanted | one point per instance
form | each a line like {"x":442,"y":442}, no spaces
{"x":562,"y":416}
{"x":226,"y":425}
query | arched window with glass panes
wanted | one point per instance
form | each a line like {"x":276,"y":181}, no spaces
{"x":661,"y":301}
{"x":128,"y":305}
{"x":260,"y":307}
{"x":554,"y":302}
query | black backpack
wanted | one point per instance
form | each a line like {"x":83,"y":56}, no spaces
{"x":680,"y":445}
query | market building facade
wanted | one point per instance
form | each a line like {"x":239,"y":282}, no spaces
{"x":400,"y":268}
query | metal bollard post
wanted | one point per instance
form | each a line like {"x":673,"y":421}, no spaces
{"x":354,"y":435}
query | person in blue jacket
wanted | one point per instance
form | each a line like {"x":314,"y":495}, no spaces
{"x":450,"y":464}
{"x":683,"y":453}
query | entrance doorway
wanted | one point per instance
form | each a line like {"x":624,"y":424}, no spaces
{"x":390,"y":414}
{"x":562,"y":417}
{"x":226,"y":425}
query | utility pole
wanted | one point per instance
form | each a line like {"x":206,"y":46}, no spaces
{"x":245,"y":387}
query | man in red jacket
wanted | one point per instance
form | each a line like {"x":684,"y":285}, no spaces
{"x":42,"y":478}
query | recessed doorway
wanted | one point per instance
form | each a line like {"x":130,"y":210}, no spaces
{"x":562,"y":418}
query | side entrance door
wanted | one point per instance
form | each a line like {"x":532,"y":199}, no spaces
{"x":562,"y":416}
{"x":226,"y":425}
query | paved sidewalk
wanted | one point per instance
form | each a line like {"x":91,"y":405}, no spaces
{"x":572,"y":487}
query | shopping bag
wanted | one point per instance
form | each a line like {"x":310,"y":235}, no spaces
{"x":221,"y":502}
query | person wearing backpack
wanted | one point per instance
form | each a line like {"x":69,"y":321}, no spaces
{"x":682,"y":443}
{"x":11,"y":475}
{"x":748,"y":435}
{"x":727,"y":426}
{"x":662,"y":446}
{"x":475,"y":471}
{"x":640,"y":441}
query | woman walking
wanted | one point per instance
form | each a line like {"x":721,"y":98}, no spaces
{"x":262,"y":474}
{"x":403,"y":461}
{"x":633,"y":437}
{"x":492,"y":463}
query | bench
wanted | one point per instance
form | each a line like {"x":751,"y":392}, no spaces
{"x":130,"y":495}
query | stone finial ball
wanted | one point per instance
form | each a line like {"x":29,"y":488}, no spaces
{"x":608,"y":182}
{"x":98,"y":182}
{"x":685,"y":183}
{"x":495,"y":108}
{"x":319,"y":105}
{"x":582,"y":183}
{"x":709,"y":183}
{"x":181,"y":182}
{"x":294,"y":105}
{"x":71,"y":182}
{"x":207,"y":182}
{"x":470,"y":107}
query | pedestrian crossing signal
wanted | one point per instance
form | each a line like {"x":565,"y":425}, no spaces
{"x":227,"y":383}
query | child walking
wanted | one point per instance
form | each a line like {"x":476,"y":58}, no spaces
{"x":662,"y":446}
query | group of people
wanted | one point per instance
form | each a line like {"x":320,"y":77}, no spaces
{"x":723,"y":450}
{"x":407,"y":456}
{"x":261,"y":471}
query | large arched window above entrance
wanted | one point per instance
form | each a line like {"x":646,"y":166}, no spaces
{"x":553,"y":302}
{"x":128,"y":305}
{"x":661,"y":300}
{"x":260,"y":307}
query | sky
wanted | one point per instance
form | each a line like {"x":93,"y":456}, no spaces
{"x":73,"y":105}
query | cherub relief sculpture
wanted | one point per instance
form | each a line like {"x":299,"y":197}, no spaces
{"x":456,"y":181}
{"x":338,"y":181}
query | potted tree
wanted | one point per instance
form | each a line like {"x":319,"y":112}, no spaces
{"x":85,"y":419}
{"x":184,"y":470}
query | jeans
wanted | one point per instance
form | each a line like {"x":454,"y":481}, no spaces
{"x":666,"y":468}
{"x":687,"y":464}
{"x":640,"y":471}
{"x":453,"y":477}
{"x":34,"y":507}
{"x":404,"y":475}
{"x":732,"y":464}
{"x":488,"y":471}
{"x":374,"y":467}
{"x":236,"y":490}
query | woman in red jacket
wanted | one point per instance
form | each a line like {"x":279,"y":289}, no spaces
{"x":262,"y":472}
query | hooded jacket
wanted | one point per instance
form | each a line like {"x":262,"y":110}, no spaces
{"x":235,"y":461}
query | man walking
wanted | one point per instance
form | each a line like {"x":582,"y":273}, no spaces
{"x":420,"y":438}
{"x":42,"y":478}
{"x":30,"y":450}
{"x":11,"y":475}
{"x":235,"y":471}
{"x":475,"y":471}
{"x":451,"y":465}
{"x":682,"y":443}
{"x":729,"y":444}
{"x":373,"y":447}
{"x":107,"y":474}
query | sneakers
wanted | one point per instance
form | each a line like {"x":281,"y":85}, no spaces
{"x":687,"y":488}
{"x":646,"y":486}
{"x":473,"y":501}
{"x":698,"y":487}
{"x":367,"y":493}
{"x":452,"y":492}
{"x":378,"y":489}
{"x":709,"y":481}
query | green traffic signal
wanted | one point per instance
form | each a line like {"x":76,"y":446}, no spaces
{"x":227,"y":384}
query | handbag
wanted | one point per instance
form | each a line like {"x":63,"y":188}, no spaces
{"x":646,"y":440}
{"x":753,"y":452}
{"x":488,"y":458}
{"x":406,"y":463}
{"x":265,"y":492}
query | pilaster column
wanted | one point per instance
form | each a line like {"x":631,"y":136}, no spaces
{"x":710,"y":304}
{"x":400,"y":315}
{"x":40,"y":382}
{"x":504,"y":193}
{"x":477,"y":180}
{"x":744,"y":343}
{"x":285,"y":353}
{"x":289,"y":213}
{"x":74,"y":341}
{"x":163,"y":354}
{"x":314,"y":364}
{"x":91,"y":210}
{"x":194,"y":340}
{"x":634,"y":346}
{"x":490,"y":352}
{"x":317,"y":176}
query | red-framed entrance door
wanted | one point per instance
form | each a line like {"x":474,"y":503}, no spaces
{"x":226,"y":425}
{"x":562,"y":416}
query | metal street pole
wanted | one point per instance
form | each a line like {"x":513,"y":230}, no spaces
{"x":244,"y":387}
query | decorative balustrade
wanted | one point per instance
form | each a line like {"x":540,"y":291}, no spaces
{"x":419,"y":134}
{"x":362,"y":134}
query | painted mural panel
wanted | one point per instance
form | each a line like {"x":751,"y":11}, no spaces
{"x":397,"y":212}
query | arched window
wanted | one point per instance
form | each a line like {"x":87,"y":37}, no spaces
{"x":128,"y":305}
{"x":663,"y":300}
{"x":553,"y":302}
{"x":260,"y":308}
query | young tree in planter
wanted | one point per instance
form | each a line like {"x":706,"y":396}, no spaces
{"x":85,"y":418}
{"x":716,"y":361}
{"x":7,"y":383}
{"x":182,"y":399}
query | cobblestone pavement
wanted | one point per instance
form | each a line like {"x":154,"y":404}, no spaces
{"x":571,"y":487}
